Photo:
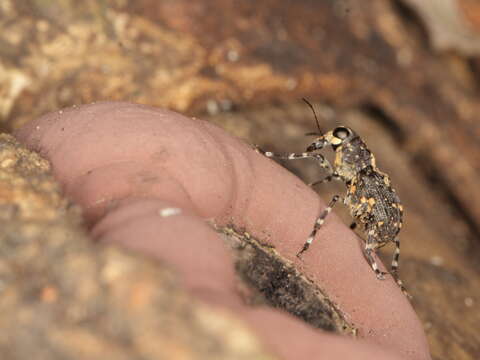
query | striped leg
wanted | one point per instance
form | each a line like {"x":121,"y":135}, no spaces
{"x":318,"y":224}
{"x":325,"y":179}
{"x":324,"y":163}
{"x":396,"y":256}
{"x":394,"y":268}
{"x":369,"y":249}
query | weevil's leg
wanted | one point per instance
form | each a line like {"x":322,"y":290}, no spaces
{"x":353,"y":225}
{"x":401,"y":286}
{"x":370,"y":247}
{"x":396,"y":256}
{"x":318,"y":224}
{"x":286,"y":156}
{"x":394,"y":268}
{"x":324,"y":163}
{"x":324,"y":180}
{"x":327,"y":178}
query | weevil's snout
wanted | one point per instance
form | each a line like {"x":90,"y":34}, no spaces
{"x":317,"y":144}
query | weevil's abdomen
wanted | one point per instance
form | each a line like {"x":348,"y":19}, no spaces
{"x":375,"y":204}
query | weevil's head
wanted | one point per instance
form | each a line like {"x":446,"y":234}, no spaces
{"x":337,"y":137}
{"x":351,"y":152}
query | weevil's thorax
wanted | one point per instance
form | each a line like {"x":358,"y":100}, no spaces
{"x":351,"y":156}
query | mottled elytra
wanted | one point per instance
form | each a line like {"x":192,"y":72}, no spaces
{"x":372,"y":201}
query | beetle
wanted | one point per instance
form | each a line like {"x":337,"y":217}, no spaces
{"x":370,"y":197}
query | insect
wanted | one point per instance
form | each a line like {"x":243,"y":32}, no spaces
{"x":372,"y":201}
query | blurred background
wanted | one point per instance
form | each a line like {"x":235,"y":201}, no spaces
{"x":405,"y":74}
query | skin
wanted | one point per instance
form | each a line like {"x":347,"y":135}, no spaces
{"x":123,"y":163}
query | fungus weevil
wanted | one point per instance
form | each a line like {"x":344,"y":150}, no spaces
{"x":372,"y":201}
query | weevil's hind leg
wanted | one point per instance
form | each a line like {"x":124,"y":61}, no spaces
{"x":321,"y":160}
{"x":318,"y":224}
{"x":370,"y":247}
{"x":394,"y":268}
{"x":396,"y":256}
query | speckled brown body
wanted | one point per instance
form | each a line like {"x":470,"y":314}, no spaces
{"x":371,"y":199}
{"x":374,"y":204}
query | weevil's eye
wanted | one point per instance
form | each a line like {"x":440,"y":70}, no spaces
{"x":341,"y":133}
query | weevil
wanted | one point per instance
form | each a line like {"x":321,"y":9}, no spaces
{"x":370,"y":197}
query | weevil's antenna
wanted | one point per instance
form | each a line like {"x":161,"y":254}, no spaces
{"x":316,"y":119}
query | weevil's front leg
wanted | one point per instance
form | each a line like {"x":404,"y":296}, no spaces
{"x":322,"y":162}
{"x":318,"y":224}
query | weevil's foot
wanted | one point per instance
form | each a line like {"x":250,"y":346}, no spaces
{"x":381,"y":275}
{"x":257,"y":148}
{"x":305,"y":247}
